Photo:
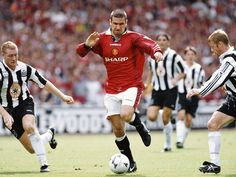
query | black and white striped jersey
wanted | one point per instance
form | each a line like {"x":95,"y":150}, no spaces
{"x":194,"y":78}
{"x":164,"y":71}
{"x":224,"y":75}
{"x":13,"y":84}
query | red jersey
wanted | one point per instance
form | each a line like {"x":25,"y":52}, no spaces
{"x":123,"y":59}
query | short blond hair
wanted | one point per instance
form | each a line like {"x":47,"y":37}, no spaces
{"x":8,"y":45}
{"x":219,"y":35}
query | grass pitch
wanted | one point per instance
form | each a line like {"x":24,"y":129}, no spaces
{"x":88,"y":156}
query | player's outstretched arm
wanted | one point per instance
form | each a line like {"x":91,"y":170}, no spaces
{"x":7,"y":118}
{"x":193,"y":92}
{"x":52,"y":89}
{"x":92,"y":39}
{"x":83,"y":49}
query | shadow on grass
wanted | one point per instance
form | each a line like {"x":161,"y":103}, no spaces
{"x":125,"y":175}
{"x":230,"y":175}
{"x":17,"y":172}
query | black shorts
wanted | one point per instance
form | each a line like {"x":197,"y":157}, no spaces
{"x":165,"y":98}
{"x":189,"y":105}
{"x":229,"y":106}
{"x":26,"y":107}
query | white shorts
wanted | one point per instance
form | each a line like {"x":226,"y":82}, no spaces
{"x":129,"y":97}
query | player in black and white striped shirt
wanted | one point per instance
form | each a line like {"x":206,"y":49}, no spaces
{"x":225,"y":76}
{"x":164,"y":77}
{"x":17,"y":105}
{"x":194,"y":77}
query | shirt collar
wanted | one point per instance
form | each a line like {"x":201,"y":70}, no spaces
{"x":166,"y":51}
{"x":221,"y":57}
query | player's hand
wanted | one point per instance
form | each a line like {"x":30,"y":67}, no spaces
{"x":174,"y":81}
{"x":68,"y":99}
{"x":92,"y":39}
{"x":158,"y":56}
{"x":8,"y":120}
{"x":193,"y":92}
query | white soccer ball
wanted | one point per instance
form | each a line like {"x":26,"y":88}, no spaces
{"x":119,"y":163}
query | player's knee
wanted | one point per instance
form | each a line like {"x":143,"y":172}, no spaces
{"x":29,"y":128}
{"x":126,"y":117}
{"x":152,"y":115}
{"x":166,"y":121}
{"x":212,"y":126}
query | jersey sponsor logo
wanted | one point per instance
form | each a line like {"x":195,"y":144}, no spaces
{"x":115,"y":51}
{"x":115,"y":44}
{"x":116,"y":59}
{"x":15,"y":90}
{"x":23,"y":73}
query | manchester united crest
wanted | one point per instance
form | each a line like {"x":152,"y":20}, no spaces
{"x":15,"y":90}
{"x":115,"y":51}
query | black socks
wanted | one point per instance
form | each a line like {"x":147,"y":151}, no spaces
{"x":125,"y":149}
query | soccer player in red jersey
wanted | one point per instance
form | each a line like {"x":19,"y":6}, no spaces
{"x":123,"y":54}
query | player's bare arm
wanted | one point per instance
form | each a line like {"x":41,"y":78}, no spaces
{"x":177,"y":78}
{"x":92,"y":39}
{"x":193,"y":92}
{"x":52,"y":89}
{"x":7,"y":118}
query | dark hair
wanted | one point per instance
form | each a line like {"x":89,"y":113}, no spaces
{"x":167,"y":36}
{"x":119,"y":13}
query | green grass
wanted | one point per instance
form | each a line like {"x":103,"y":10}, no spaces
{"x":88,"y":156}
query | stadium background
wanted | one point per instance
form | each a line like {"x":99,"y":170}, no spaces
{"x":47,"y":33}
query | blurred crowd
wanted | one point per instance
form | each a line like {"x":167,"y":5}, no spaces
{"x":47,"y":33}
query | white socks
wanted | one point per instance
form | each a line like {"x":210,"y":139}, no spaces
{"x":167,"y":130}
{"x":120,"y":138}
{"x":38,"y":147}
{"x":46,"y":137}
{"x":181,"y":131}
{"x":214,"y":146}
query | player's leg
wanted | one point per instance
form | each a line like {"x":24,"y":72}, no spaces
{"x":49,"y":137}
{"x":169,"y":105}
{"x":180,"y":125}
{"x":188,"y":124}
{"x":112,"y":103}
{"x":167,"y":129}
{"x":191,"y":109}
{"x":152,"y":113}
{"x":217,"y":121}
{"x":180,"y":128}
{"x":122,"y":140}
{"x":28,"y":122}
{"x":130,"y":100}
{"x":155,"y":106}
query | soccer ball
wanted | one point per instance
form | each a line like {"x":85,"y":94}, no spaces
{"x":119,"y":163}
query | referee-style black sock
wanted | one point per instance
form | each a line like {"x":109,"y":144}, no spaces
{"x":124,"y":148}
{"x":137,"y":121}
